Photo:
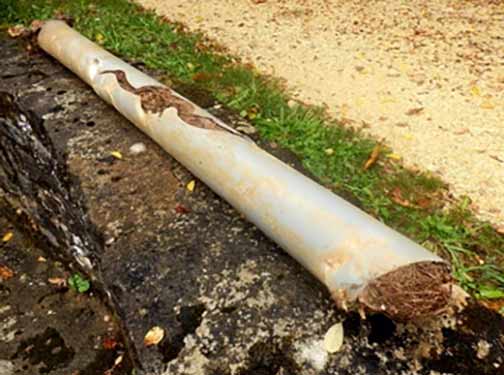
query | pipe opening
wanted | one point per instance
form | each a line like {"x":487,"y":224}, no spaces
{"x":413,"y":291}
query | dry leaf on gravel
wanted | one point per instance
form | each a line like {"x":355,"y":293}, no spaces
{"x":190,"y":186}
{"x":154,"y":336}
{"x":5,"y":272}
{"x":181,"y":209}
{"x":109,"y":343}
{"x":333,"y":339}
{"x":415,"y":111}
{"x":58,"y":281}
{"x":373,"y":157}
{"x":117,"y":155}
{"x":7,"y":237}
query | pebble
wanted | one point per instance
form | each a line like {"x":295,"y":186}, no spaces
{"x":137,"y":148}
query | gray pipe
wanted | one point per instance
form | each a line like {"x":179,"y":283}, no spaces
{"x":360,"y":260}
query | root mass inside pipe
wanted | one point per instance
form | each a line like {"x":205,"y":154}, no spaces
{"x":411,"y":291}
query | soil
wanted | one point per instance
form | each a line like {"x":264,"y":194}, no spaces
{"x":425,"y":76}
{"x":229,"y":300}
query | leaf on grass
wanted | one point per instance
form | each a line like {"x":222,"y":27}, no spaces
{"x":7,"y":237}
{"x":415,"y":111}
{"x":394,"y":156}
{"x":100,"y":39}
{"x":202,"y":76}
{"x":424,"y":203}
{"x":79,"y":283}
{"x":491,"y":293}
{"x":154,"y":336}
{"x":190,"y":186}
{"x":5,"y":272}
{"x":333,"y":339}
{"x":329,"y":151}
{"x":373,"y":157}
{"x":397,"y":197}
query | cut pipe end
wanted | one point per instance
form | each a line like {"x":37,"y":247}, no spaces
{"x":410,"y":292}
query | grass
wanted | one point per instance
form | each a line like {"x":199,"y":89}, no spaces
{"x":413,"y":203}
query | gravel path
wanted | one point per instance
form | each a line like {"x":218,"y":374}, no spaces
{"x":428,"y":77}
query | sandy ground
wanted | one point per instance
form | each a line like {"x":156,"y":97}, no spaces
{"x":426,"y":76}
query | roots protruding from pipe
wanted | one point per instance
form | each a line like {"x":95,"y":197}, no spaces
{"x":413,"y":291}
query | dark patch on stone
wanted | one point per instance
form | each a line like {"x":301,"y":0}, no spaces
{"x":46,"y":351}
{"x":189,"y":319}
{"x":382,"y":328}
{"x":477,"y":324}
{"x":269,"y":359}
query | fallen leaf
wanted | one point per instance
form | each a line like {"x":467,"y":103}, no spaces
{"x":500,"y":229}
{"x":41,"y":259}
{"x":487,"y":104}
{"x":7,"y":237}
{"x":397,"y":197}
{"x":109,"y":343}
{"x":394,"y":156}
{"x":190,"y":186}
{"x":423,"y":203}
{"x":333,"y":339}
{"x":409,"y":137}
{"x":5,"y":272}
{"x":154,"y":336}
{"x":202,"y":76}
{"x":117,"y":155}
{"x":495,"y":157}
{"x":118,"y":360}
{"x":329,"y":151}
{"x":180,"y":209}
{"x":58,"y":281}
{"x":16,"y":31}
{"x":99,"y":38}
{"x":475,"y":91}
{"x":414,"y":111}
{"x":373,"y":157}
{"x":461,"y":131}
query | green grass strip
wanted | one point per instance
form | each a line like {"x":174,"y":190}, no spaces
{"x":411,"y":202}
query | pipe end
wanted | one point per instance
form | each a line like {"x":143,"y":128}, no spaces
{"x":410,"y":292}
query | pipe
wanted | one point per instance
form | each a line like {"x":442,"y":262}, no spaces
{"x":362,"y":262}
